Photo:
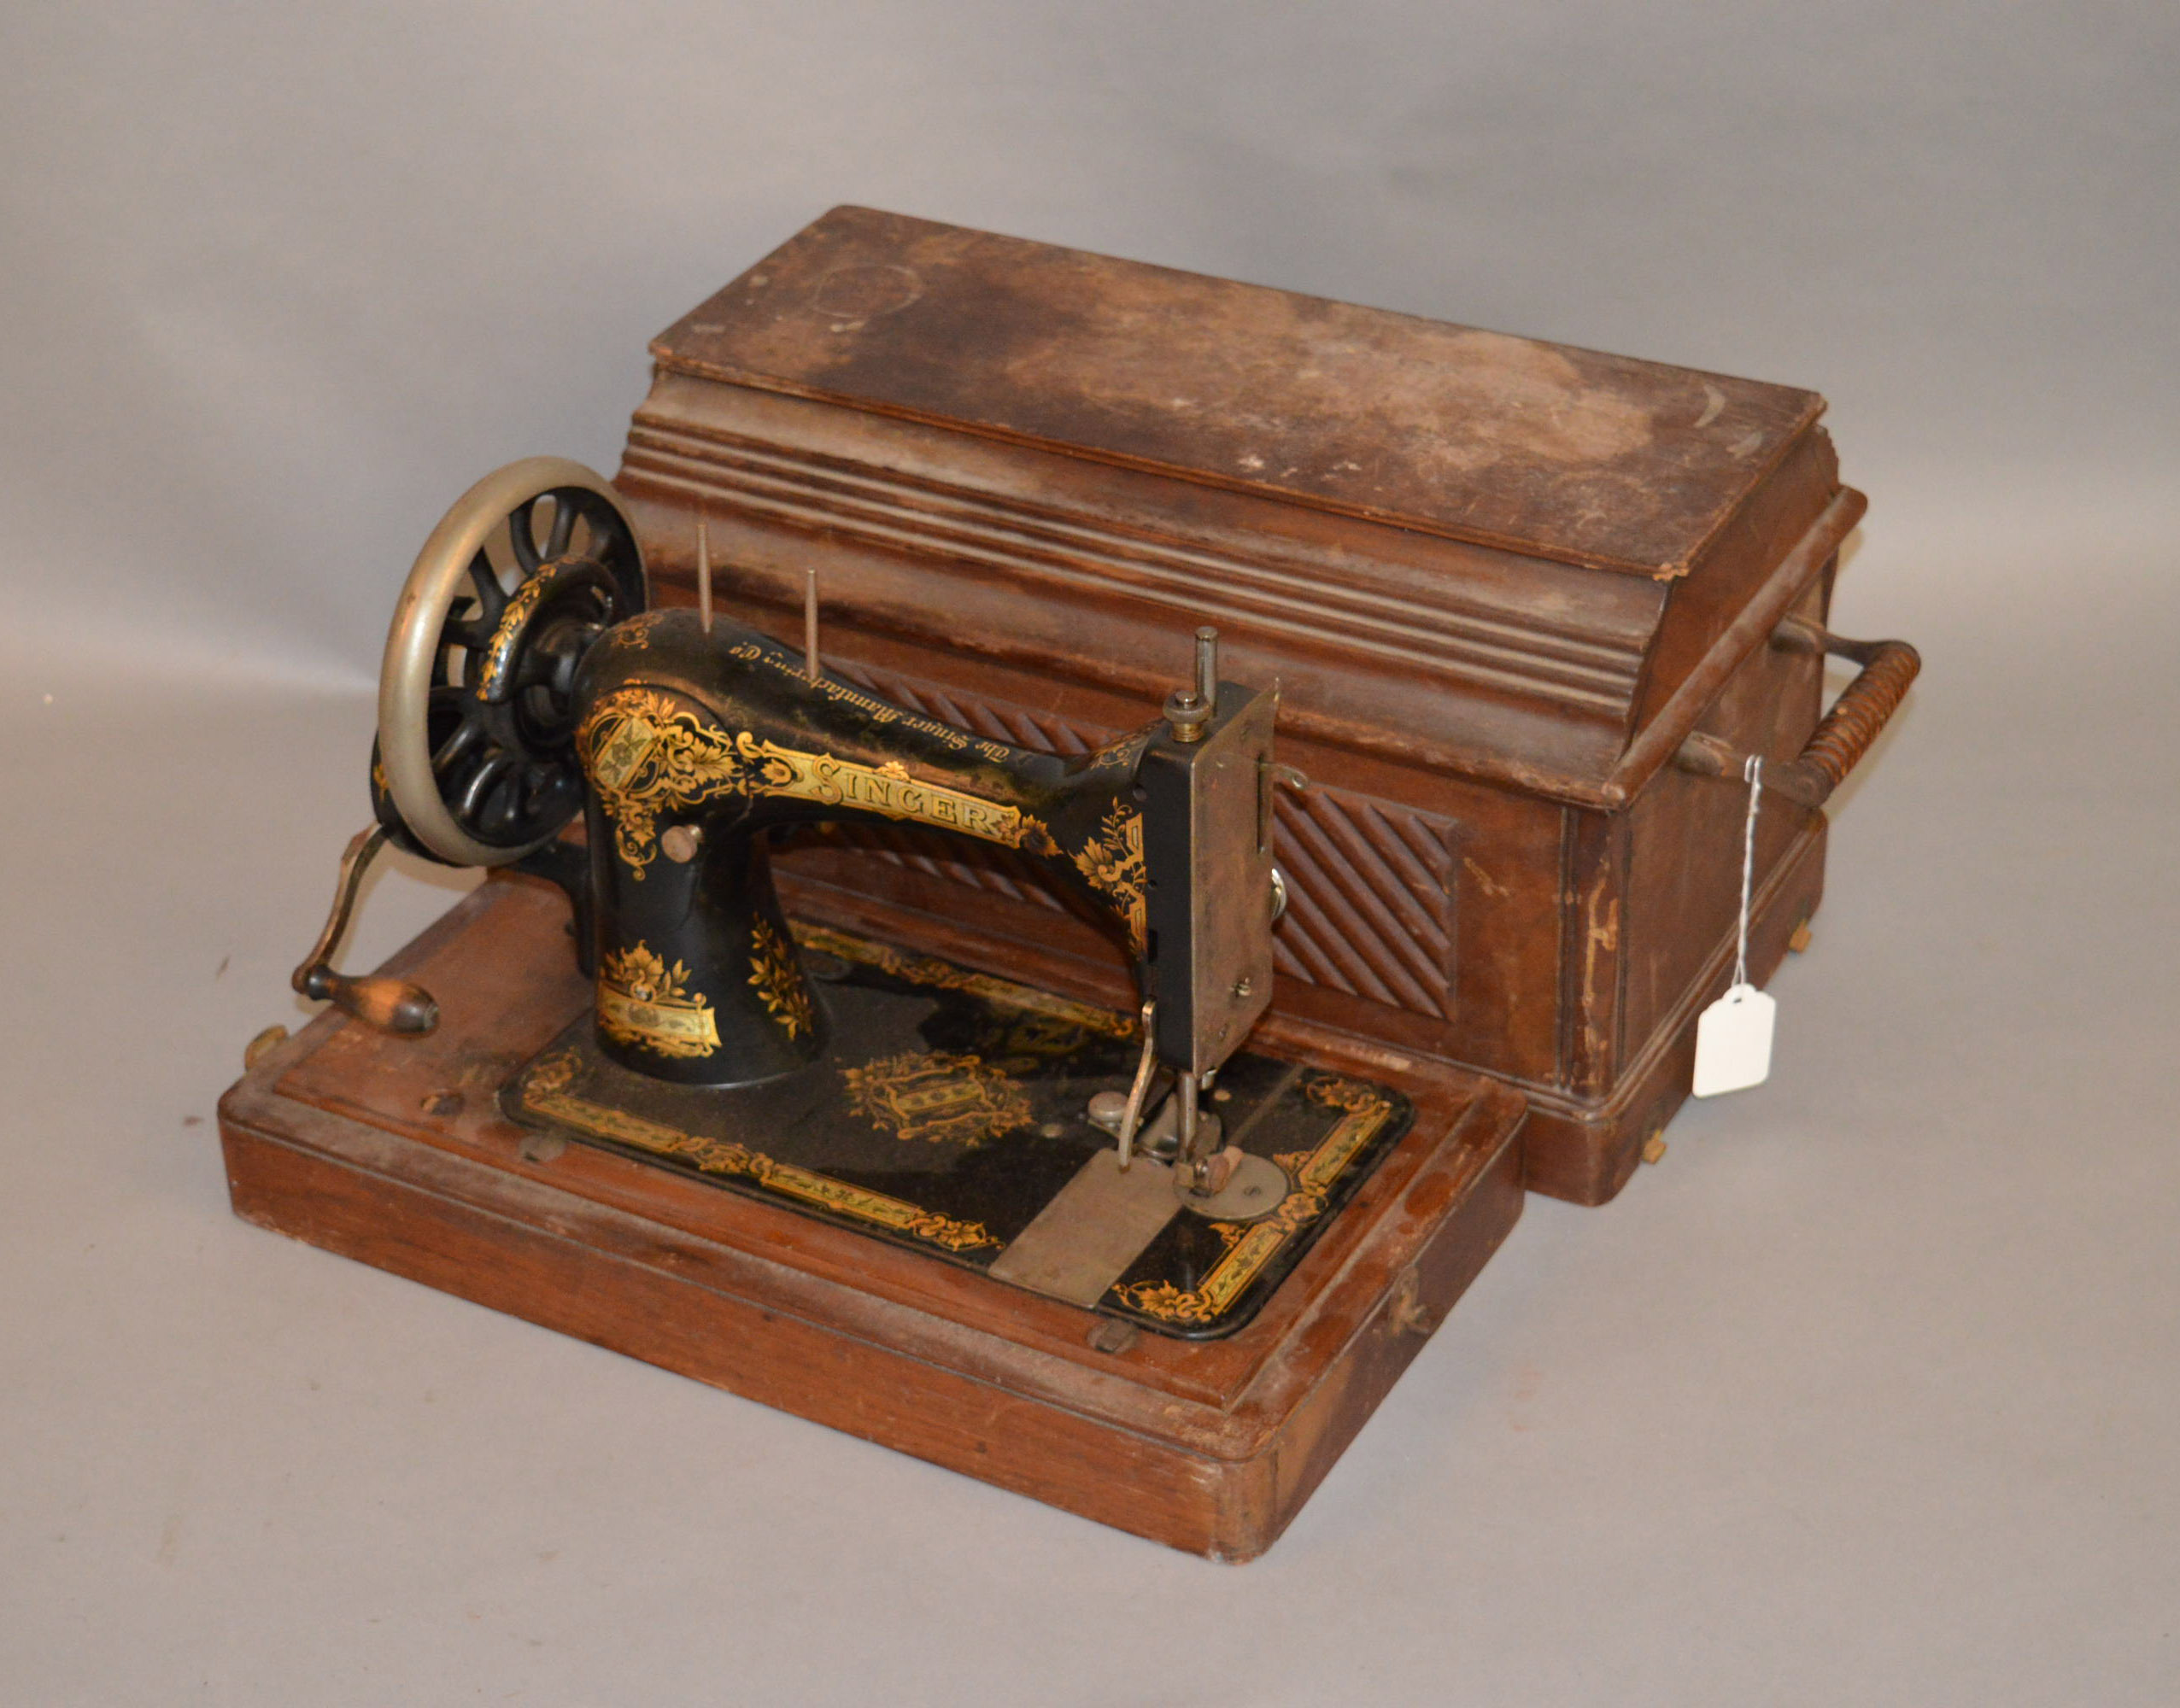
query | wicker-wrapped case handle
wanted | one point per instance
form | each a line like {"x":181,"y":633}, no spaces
{"x":1844,"y":734}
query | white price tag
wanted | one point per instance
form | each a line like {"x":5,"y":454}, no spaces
{"x":1733,"y":1035}
{"x":1733,"y":1042}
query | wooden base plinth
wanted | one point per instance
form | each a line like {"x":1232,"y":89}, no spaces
{"x":393,"y":1152}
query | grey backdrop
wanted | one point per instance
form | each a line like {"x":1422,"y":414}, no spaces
{"x":1866,"y":1393}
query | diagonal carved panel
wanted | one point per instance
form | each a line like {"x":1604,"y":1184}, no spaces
{"x":1370,"y":908}
{"x":1369,"y":905}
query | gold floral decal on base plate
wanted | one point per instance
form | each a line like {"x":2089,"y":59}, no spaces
{"x":1250,"y":1245}
{"x":938,"y":1096}
{"x":548,"y":1091}
{"x":647,"y":1005}
{"x":778,"y":980}
{"x":1113,"y":861}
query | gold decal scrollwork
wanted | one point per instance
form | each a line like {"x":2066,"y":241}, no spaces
{"x":937,"y":1097}
{"x":1113,"y":861}
{"x":778,"y":981}
{"x":887,"y":789}
{"x":1363,"y":1109}
{"x":647,"y":1005}
{"x":498,"y":649}
{"x":646,"y":757}
{"x":550,"y":1089}
{"x":546,"y":1094}
{"x":929,"y":970}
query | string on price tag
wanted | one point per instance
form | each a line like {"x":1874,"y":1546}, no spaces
{"x":1733,"y":1037}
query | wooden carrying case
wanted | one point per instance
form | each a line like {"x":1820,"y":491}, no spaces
{"x":1528,"y":606}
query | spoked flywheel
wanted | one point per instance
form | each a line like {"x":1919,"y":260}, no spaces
{"x":475,"y":763}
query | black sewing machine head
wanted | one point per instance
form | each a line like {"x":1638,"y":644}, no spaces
{"x":527,"y":682}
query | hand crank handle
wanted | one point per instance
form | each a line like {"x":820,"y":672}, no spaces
{"x":390,"y":1004}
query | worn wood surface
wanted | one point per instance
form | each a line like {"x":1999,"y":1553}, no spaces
{"x":391,"y":1151}
{"x":1542,"y":448}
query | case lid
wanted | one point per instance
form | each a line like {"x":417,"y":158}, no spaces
{"x":1539,"y":448}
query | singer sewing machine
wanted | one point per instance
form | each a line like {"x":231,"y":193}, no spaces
{"x":684,"y":740}
{"x":1035,"y":1168}
{"x":1051,"y":883}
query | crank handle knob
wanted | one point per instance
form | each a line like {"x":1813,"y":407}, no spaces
{"x":392,"y":1005}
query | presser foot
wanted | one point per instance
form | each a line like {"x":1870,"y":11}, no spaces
{"x":1225,"y":1184}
